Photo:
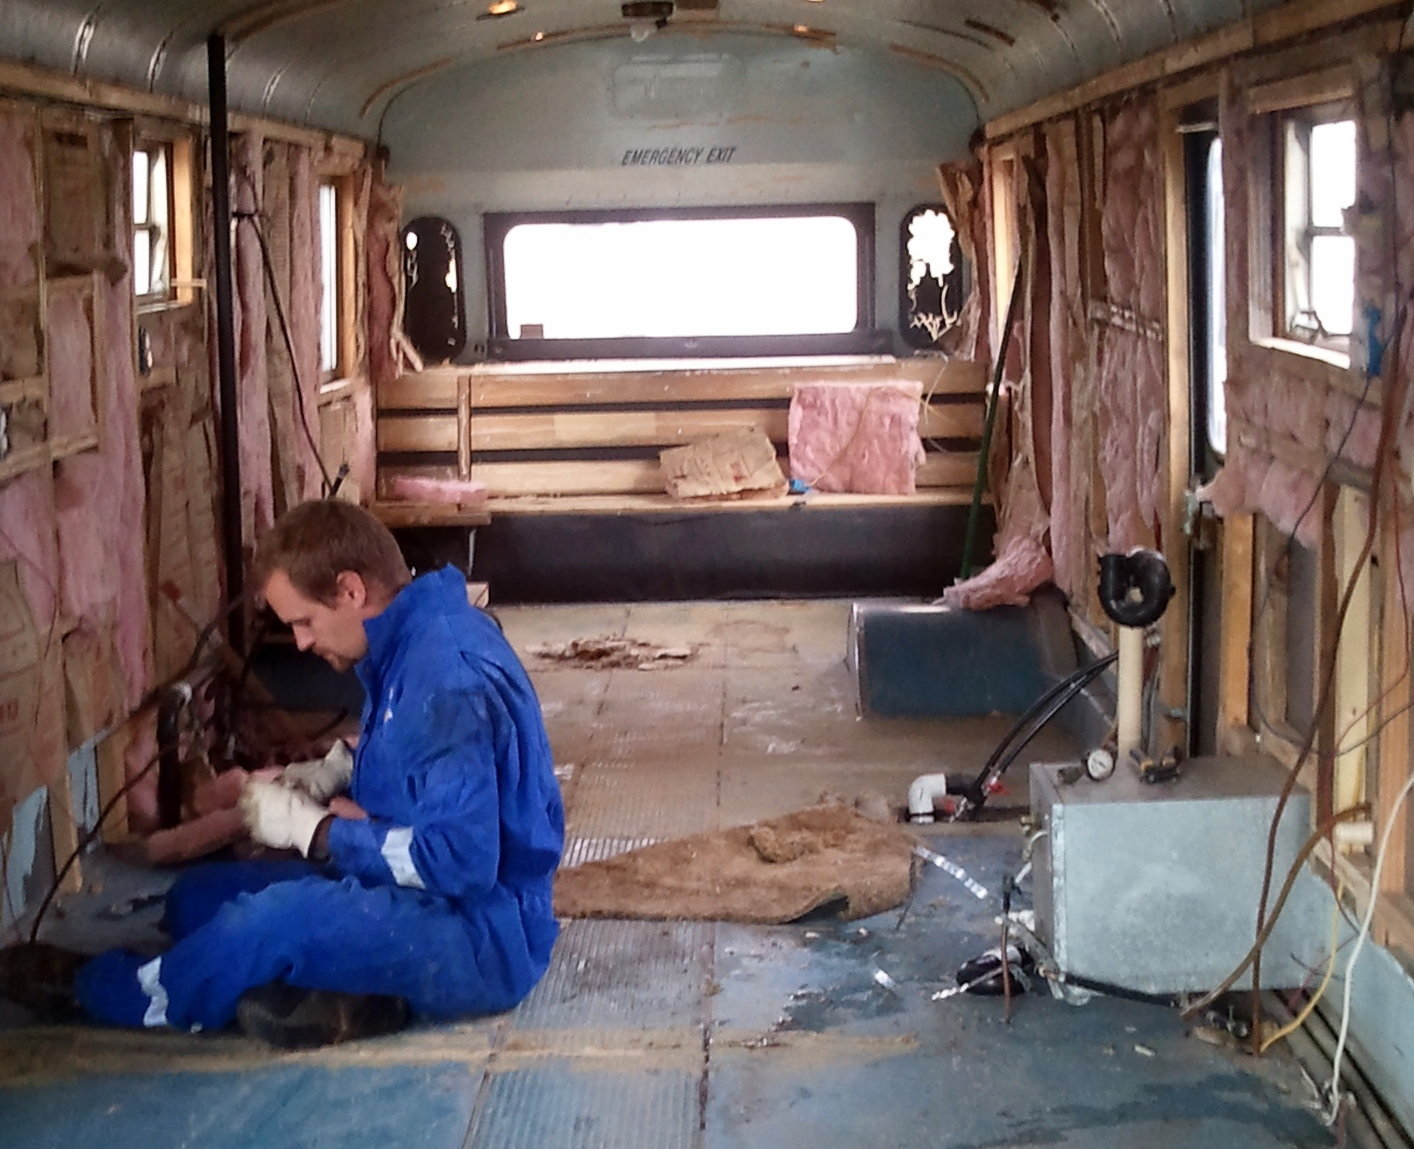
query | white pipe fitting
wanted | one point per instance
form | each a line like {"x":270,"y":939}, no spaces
{"x":923,"y":793}
{"x":1130,"y":704}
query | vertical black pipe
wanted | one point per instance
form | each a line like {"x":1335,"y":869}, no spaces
{"x":226,"y":337}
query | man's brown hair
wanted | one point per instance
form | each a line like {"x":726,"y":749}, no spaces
{"x":316,"y":541}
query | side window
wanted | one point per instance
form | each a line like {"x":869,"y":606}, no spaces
{"x":330,"y":280}
{"x":434,"y":312}
{"x":1318,"y":154}
{"x":932,"y":283}
{"x":152,"y":218}
{"x":1210,"y":300}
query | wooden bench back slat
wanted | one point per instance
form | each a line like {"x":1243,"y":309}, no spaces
{"x":630,"y":476}
{"x":465,"y":413}
{"x":436,"y":388}
{"x":571,"y":429}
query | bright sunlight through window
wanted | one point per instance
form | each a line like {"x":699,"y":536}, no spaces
{"x":681,"y":278}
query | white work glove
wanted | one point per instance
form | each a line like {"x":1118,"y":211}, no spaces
{"x":321,"y":778}
{"x":280,"y":817}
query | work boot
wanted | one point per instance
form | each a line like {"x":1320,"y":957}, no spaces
{"x":40,"y":977}
{"x":289,"y":1017}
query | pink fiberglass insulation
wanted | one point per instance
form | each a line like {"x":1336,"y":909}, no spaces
{"x":27,"y":538}
{"x":1022,"y":562}
{"x":1067,"y":510}
{"x":253,"y":396}
{"x":859,"y":437}
{"x":69,"y":338}
{"x":1273,"y":406}
{"x":463,"y":492}
{"x":101,"y":515}
{"x":1133,"y":400}
{"x":385,"y":205}
{"x":1254,"y":481}
{"x":302,"y":309}
{"x":963,"y":190}
{"x":19,"y":209}
{"x":1352,"y":429}
{"x":1402,"y":144}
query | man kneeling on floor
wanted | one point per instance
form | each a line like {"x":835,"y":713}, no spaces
{"x":430,"y":850}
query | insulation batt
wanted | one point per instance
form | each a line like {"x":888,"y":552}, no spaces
{"x":858,"y":437}
{"x":1022,"y":563}
{"x":1133,"y":397}
{"x":462,"y":492}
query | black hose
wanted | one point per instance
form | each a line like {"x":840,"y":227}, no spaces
{"x":1040,"y":712}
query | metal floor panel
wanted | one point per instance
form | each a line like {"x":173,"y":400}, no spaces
{"x":566,"y":1103}
{"x":680,"y":1035}
{"x":620,"y":976}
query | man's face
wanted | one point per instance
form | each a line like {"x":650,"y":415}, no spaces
{"x":333,"y":631}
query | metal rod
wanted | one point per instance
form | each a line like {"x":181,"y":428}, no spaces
{"x":226,"y":338}
{"x":984,"y":449}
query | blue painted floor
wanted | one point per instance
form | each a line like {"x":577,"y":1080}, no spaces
{"x":688,"y":1034}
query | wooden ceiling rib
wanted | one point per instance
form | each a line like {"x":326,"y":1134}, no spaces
{"x":1009,"y":53}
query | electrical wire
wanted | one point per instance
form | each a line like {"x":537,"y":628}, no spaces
{"x":1333,"y":1091}
{"x":1250,"y":958}
{"x":85,"y":840}
{"x":1391,"y":403}
{"x":250,"y":217}
{"x":1306,"y":1010}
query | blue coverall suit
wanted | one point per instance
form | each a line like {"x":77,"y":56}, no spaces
{"x":442,"y":896}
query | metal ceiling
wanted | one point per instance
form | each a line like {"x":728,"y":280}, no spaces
{"x":336,"y":63}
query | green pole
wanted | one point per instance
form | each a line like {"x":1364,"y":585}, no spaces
{"x":993,"y":401}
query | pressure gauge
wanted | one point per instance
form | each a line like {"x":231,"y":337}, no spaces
{"x":1099,"y":764}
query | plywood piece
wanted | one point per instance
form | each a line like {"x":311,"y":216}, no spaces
{"x":738,"y":462}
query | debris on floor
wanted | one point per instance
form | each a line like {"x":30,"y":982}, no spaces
{"x":772,"y":871}
{"x":614,"y":653}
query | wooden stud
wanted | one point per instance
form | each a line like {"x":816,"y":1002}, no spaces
{"x":1395,"y":761}
{"x":1173,"y":665}
{"x":1356,"y":655}
{"x":464,"y":428}
{"x":1236,"y":624}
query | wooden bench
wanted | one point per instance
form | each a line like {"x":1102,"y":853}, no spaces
{"x":584,"y":438}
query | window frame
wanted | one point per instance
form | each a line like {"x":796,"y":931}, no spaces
{"x":1298,"y":230}
{"x":864,"y":338}
{"x":348,"y":362}
{"x":1270,"y":105}
{"x":165,"y":228}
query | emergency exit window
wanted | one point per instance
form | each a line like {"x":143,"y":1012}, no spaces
{"x":595,"y":279}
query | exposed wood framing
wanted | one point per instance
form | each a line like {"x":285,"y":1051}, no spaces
{"x":1173,"y":718}
{"x":1236,"y":629}
{"x":29,"y":80}
{"x":1265,"y":30}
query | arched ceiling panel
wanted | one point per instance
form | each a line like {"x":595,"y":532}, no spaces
{"x":336,"y":63}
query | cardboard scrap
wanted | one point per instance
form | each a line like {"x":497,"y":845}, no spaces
{"x":732,"y":463}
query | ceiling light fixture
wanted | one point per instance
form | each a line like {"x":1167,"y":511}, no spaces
{"x":500,"y":8}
